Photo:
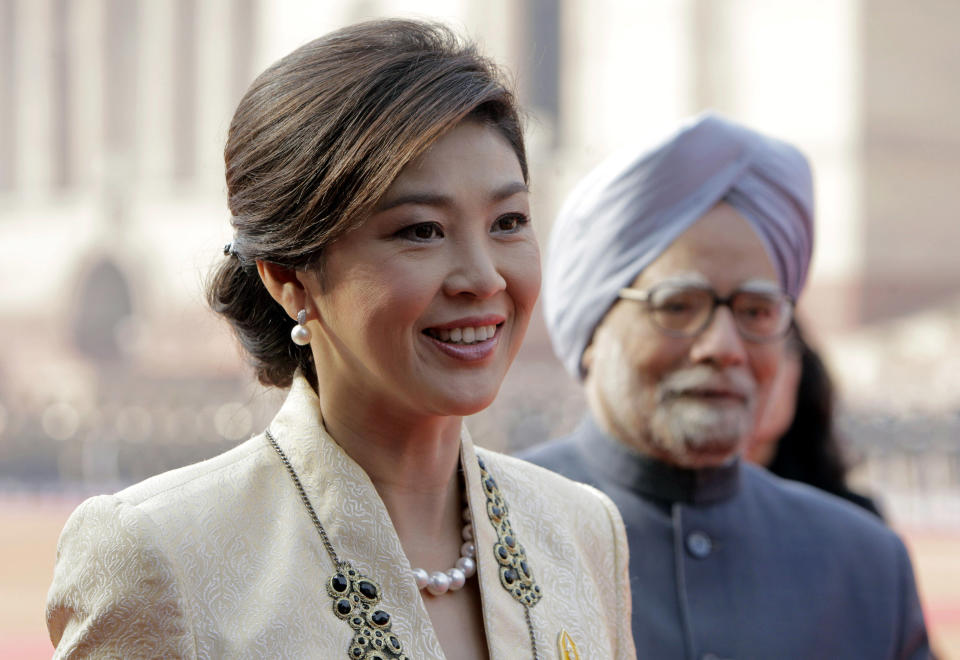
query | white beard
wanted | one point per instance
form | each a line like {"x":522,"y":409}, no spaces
{"x":681,"y":427}
{"x":694,"y":431}
{"x":656,"y":418}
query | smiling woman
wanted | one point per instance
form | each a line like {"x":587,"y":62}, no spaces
{"x":456,"y":261}
{"x":384,"y":269}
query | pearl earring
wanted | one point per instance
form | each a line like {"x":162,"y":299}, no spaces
{"x":301,"y":333}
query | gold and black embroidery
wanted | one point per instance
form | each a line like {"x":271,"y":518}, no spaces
{"x":515,"y":574}
{"x":355,"y":600}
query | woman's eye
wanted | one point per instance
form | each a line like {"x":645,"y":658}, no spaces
{"x":422,"y":231}
{"x":509,"y":223}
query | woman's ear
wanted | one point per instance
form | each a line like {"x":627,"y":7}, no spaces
{"x":284,"y":286}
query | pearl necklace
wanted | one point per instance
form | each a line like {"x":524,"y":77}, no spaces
{"x":440,"y":582}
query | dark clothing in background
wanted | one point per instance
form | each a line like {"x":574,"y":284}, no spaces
{"x":810,"y":450}
{"x":782,"y":467}
{"x":735,"y":563}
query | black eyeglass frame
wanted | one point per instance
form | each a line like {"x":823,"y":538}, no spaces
{"x":644,"y":296}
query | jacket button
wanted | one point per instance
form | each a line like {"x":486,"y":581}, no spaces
{"x":699,"y":545}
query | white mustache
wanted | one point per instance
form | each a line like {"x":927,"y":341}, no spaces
{"x":736,"y":382}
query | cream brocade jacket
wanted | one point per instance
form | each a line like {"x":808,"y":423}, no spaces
{"x":221,"y":559}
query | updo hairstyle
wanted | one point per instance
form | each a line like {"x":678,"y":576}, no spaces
{"x":315,"y":143}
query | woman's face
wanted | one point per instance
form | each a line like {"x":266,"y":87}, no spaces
{"x":425,"y":305}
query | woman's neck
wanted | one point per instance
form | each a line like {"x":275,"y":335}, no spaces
{"x":411,"y":459}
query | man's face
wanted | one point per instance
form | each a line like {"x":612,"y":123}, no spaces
{"x":689,"y":401}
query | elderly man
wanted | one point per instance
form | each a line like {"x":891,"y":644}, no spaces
{"x":669,"y":289}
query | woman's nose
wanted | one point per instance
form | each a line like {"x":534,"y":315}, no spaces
{"x":474,"y":272}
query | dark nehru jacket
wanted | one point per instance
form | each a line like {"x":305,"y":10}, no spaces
{"x":733,"y":562}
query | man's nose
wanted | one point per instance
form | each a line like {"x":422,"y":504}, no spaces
{"x":474,"y":272}
{"x":720,"y":342}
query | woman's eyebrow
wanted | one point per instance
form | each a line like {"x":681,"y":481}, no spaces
{"x":424,"y":198}
{"x":509,"y":190}
{"x":418,"y":198}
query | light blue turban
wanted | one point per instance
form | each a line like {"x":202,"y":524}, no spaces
{"x":626,"y":212}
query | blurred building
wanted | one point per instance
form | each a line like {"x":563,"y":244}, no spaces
{"x":113,"y":115}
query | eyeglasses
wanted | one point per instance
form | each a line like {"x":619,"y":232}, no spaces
{"x":687,"y":310}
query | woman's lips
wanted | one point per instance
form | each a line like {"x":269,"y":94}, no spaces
{"x":474,"y":352}
{"x":463,"y":334}
{"x":468,"y":322}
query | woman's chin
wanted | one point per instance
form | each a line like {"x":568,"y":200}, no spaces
{"x":471,"y":408}
{"x":463,"y":404}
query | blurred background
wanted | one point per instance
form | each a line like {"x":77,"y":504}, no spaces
{"x":113,"y":116}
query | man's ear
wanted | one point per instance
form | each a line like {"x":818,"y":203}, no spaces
{"x":284,"y":286}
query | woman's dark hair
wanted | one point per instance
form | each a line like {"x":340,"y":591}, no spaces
{"x":810,"y":450}
{"x":317,"y":140}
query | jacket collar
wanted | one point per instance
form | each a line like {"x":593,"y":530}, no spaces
{"x":361,"y":532}
{"x":640,"y":473}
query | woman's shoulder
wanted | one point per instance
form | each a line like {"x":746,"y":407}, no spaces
{"x":213,"y":476}
{"x":166,"y":509}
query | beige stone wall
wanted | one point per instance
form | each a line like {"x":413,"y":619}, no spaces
{"x":911,"y":155}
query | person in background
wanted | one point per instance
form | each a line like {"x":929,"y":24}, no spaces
{"x":668,"y":292}
{"x":795,"y":436}
{"x":383,"y":268}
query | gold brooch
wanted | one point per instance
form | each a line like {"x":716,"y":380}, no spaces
{"x":566,"y":649}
